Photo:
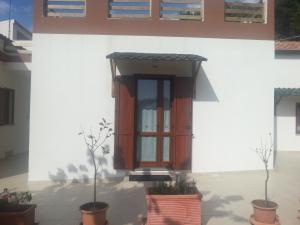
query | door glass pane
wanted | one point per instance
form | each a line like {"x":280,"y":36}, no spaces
{"x":166,"y":149}
{"x":167,"y":105}
{"x":146,"y":149}
{"x":147,"y":105}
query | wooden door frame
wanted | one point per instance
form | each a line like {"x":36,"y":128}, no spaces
{"x":160,"y":133}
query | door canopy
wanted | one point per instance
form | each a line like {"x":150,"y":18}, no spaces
{"x":132,"y":63}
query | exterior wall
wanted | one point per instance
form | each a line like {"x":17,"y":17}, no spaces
{"x":18,"y":32}
{"x":232,"y":110}
{"x":15,"y":138}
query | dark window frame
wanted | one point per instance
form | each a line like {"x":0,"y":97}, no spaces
{"x":125,"y":122}
{"x":7,"y":106}
{"x":159,"y":134}
{"x":297,"y":118}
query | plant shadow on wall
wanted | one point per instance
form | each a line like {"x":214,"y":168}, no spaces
{"x":214,"y":207}
{"x":72,"y":187}
{"x":204,"y":89}
{"x":126,"y":202}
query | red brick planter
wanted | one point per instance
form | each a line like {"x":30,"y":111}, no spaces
{"x":174,"y":209}
{"x":17,"y":215}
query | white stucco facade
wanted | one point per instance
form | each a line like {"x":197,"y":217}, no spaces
{"x":232,"y":111}
{"x":14,"y":138}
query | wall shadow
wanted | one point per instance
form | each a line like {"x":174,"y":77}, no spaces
{"x":215,"y":206}
{"x":288,"y":55}
{"x":285,"y":107}
{"x":14,"y":138}
{"x":204,"y":91}
{"x":14,"y":165}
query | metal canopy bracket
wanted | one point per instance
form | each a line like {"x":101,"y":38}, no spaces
{"x":195,"y":70}
{"x":113,"y":67}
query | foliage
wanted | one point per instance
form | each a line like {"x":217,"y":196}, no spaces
{"x":95,"y":142}
{"x":180,"y":187}
{"x":264,"y":152}
{"x":14,"y":197}
{"x":287,"y":18}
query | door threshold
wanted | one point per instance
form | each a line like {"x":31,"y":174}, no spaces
{"x":145,"y":177}
{"x":153,"y":171}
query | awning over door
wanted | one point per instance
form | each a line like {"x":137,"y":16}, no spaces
{"x":155,"y":56}
{"x":285,"y":92}
{"x":133,"y":63}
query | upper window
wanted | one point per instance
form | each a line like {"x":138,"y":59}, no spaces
{"x":181,"y":10}
{"x":249,"y":11}
{"x":130,"y":9}
{"x":6,"y":106}
{"x":70,"y":8}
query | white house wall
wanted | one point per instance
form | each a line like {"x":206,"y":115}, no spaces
{"x":71,"y":88}
{"x":15,"y":138}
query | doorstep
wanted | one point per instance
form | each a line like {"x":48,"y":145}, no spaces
{"x":152,"y":174}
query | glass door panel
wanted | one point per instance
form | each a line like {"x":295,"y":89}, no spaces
{"x":167,"y":104}
{"x":147,"y":105}
{"x":147,"y":149}
{"x":153,"y":122}
{"x":166,"y":149}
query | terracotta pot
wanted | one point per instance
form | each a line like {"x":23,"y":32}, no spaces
{"x":174,"y":209}
{"x":94,"y":214}
{"x":17,"y":214}
{"x":264,"y":213}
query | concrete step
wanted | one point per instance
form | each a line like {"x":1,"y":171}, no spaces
{"x":152,"y":174}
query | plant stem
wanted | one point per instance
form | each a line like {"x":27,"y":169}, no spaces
{"x":95,"y":177}
{"x":266,"y":185}
{"x":95,"y":186}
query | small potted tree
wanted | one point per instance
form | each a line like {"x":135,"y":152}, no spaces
{"x":264,"y":209}
{"x":176,"y":203}
{"x":15,"y":208}
{"x":94,"y":213}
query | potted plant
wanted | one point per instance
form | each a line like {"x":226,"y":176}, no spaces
{"x":15,"y":208}
{"x":94,"y":213}
{"x":264,"y":209}
{"x":178,"y":203}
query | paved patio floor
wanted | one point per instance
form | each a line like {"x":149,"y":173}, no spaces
{"x":226,"y":196}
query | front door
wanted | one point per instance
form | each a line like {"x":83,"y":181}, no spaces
{"x":153,"y":123}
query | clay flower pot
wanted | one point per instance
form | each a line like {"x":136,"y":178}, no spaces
{"x":94,"y":214}
{"x":17,"y":214}
{"x":173,"y":209}
{"x":264,"y":213}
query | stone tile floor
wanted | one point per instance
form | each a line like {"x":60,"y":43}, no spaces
{"x":226,"y":196}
